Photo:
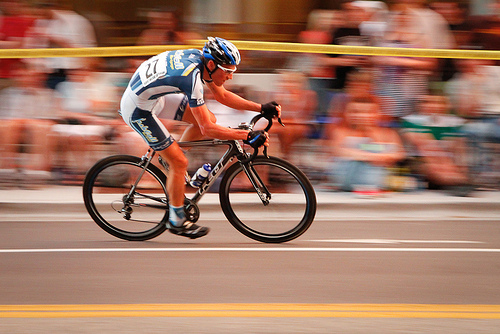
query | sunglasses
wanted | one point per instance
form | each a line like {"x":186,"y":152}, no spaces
{"x":227,"y":70}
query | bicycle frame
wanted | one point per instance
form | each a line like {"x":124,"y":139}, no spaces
{"x":234,"y":151}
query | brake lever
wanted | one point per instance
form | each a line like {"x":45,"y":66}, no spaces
{"x":270,"y":123}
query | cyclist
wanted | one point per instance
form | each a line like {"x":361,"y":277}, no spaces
{"x":173,"y":83}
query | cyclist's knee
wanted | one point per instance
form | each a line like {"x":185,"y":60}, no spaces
{"x":177,"y":161}
{"x":182,"y":162}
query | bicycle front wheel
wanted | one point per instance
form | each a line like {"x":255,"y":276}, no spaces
{"x":268,"y":199}
{"x":126,"y":200}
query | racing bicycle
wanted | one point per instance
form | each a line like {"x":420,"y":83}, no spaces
{"x":266,"y":198}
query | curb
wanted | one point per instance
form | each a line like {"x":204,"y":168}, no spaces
{"x":332,"y":209}
{"x":67,"y":201}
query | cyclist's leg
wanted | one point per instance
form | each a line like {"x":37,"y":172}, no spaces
{"x":147,"y":124}
{"x":152,"y":130}
{"x":177,"y":167}
{"x":174,"y":107}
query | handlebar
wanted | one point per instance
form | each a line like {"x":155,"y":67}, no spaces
{"x":250,"y":126}
{"x":269,"y":119}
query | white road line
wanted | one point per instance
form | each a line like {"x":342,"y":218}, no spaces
{"x":248,"y":249}
{"x":35,"y":218}
{"x":391,"y":241}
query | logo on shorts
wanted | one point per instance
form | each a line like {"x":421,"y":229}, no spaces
{"x":145,"y":131}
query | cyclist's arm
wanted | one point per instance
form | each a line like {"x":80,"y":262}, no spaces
{"x":210,"y":129}
{"x":231,"y":99}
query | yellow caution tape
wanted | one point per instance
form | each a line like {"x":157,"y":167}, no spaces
{"x":119,"y":51}
{"x":130,"y":51}
{"x":366,"y":50}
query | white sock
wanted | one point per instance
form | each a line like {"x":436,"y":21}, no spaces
{"x":177,"y":217}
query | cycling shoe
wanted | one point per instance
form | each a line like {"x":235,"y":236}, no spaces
{"x":189,"y":230}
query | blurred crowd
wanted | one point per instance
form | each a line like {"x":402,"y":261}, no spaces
{"x":353,"y":123}
{"x":404,"y":123}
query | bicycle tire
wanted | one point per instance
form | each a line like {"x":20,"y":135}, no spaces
{"x":291,"y":209}
{"x":105,"y":188}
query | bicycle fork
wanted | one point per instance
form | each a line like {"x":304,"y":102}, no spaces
{"x":259,"y":186}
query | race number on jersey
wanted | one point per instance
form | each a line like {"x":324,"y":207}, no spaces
{"x":152,"y":69}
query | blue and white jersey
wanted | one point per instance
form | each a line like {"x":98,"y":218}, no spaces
{"x":170,"y":72}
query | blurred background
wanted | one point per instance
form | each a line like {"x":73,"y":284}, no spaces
{"x":367,"y":125}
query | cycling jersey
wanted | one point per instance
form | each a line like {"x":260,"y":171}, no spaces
{"x":165,"y":83}
{"x":167,"y":73}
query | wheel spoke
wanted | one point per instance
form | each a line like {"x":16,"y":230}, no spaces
{"x":137,"y":216}
{"x":288,"y":198}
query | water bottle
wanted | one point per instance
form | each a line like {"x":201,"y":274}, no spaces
{"x":200,"y":175}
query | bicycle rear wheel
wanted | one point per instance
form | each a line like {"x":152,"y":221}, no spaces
{"x":279,"y":206}
{"x":130,"y":215}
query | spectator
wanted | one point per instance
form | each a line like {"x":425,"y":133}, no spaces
{"x":432,"y":25}
{"x":475,"y":95}
{"x":163,"y":28}
{"x":374,"y":24}
{"x":433,"y":28}
{"x":348,"y":34}
{"x":58,"y":26}
{"x":320,"y":27}
{"x":487,"y":27}
{"x":434,"y":136}
{"x":15,"y":21}
{"x":362,"y":150}
{"x":474,"y":91}
{"x":457,"y":17}
{"x":298,"y":105}
{"x":400,"y":81}
{"x":82,"y":129}
{"x":28,"y":113}
{"x":455,"y":14}
{"x":358,"y":84}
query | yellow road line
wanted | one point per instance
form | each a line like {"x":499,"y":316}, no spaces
{"x":254,"y":310}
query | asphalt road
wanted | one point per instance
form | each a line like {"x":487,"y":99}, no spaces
{"x":349,"y":276}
